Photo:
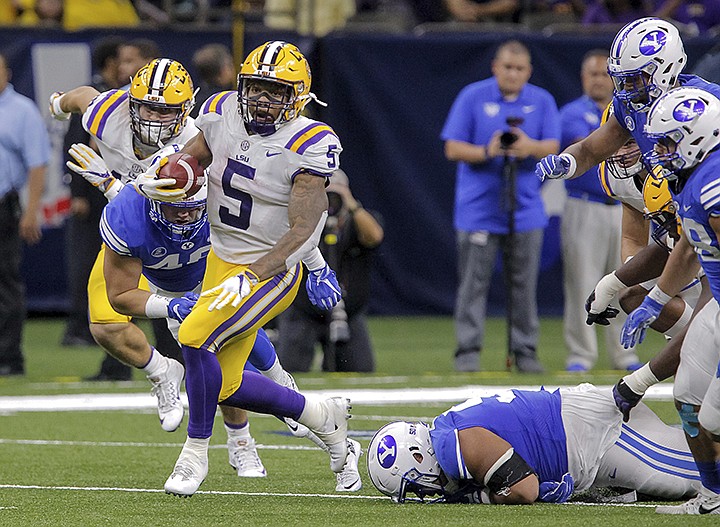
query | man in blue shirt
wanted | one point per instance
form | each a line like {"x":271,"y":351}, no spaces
{"x":24,"y":155}
{"x":480,"y":115}
{"x":591,"y":226}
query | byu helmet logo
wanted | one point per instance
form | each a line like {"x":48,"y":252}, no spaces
{"x":652,"y":42}
{"x":387,"y":451}
{"x":688,"y":110}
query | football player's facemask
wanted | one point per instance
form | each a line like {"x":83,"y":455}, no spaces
{"x":161,"y":98}
{"x":273,"y":86}
{"x":660,"y":209}
{"x":401,"y":460}
{"x":626,"y":162}
{"x":182,"y":220}
{"x":645,"y":60}
{"x":685,"y":125}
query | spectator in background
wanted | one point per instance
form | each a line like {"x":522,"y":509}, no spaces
{"x":483,"y":10}
{"x":133,"y":55}
{"x":591,"y":225}
{"x":25,"y":152}
{"x":479,"y":117}
{"x":308,"y":17}
{"x":348,"y":244}
{"x":614,"y":11}
{"x":708,"y":67}
{"x":214,"y":65}
{"x":696,"y":17}
{"x":83,"y":238}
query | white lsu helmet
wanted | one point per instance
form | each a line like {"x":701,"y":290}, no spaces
{"x":401,"y":459}
{"x":649,"y":46}
{"x":689,"y":119}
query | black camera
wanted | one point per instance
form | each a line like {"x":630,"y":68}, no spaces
{"x":508,"y":138}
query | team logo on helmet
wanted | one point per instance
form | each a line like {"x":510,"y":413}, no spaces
{"x":387,"y":451}
{"x":688,"y":110}
{"x":653,"y":42}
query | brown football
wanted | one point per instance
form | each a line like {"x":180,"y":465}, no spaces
{"x":185,"y":170}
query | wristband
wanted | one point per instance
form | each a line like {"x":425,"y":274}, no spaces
{"x":659,"y":296}
{"x":59,"y":112}
{"x":611,"y":284}
{"x":114,"y":189}
{"x":573,"y":165}
{"x":314,"y":261}
{"x":157,"y":306}
{"x":641,"y":379}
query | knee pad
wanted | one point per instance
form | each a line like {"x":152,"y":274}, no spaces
{"x":689,"y":418}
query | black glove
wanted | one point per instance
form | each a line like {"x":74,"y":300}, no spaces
{"x":625,"y":399}
{"x":602,"y":318}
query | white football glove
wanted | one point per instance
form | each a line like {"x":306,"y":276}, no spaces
{"x":152,"y":187}
{"x":233,"y":290}
{"x":55,"y":109}
{"x":93,"y":168}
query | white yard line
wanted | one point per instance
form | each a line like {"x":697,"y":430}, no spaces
{"x":375,"y":397}
{"x":268,"y":494}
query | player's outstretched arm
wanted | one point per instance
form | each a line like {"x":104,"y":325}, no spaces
{"x":493,"y":463}
{"x":598,"y":146}
{"x":199,"y":149}
{"x":74,"y":101}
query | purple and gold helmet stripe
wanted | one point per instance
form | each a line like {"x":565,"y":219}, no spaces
{"x":307,"y":137}
{"x":256,"y":306}
{"x":215,"y":102}
{"x":102,"y":110}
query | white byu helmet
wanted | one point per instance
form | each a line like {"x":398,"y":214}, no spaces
{"x":645,"y":60}
{"x":401,"y":458}
{"x":685,"y":122}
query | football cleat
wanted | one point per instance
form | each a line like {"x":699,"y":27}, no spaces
{"x":245,"y":459}
{"x":166,"y":387}
{"x":333,"y":433}
{"x":349,"y":479}
{"x":187,"y":476}
{"x":707,"y":502}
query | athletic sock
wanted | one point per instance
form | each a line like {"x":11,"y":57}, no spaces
{"x":710,"y":475}
{"x":260,"y":394}
{"x":156,"y":365}
{"x":203,"y":381}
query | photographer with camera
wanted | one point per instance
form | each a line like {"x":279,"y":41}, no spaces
{"x":348,"y":242}
{"x":496,"y":130}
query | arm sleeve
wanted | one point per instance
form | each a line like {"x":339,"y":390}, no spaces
{"x":551,"y":119}
{"x":35,"y":141}
{"x":460,"y":122}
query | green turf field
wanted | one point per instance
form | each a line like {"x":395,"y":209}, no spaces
{"x":64,"y":468}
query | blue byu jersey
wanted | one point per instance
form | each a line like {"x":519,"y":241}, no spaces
{"x":698,"y":201}
{"x":127,"y":229}
{"x":634,"y":122}
{"x":530,"y":421}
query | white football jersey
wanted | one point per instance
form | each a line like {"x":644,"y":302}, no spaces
{"x":107,"y":119}
{"x":251,"y":176}
{"x":624,"y":190}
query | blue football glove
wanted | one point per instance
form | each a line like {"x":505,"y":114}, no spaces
{"x":179,"y":308}
{"x":557,"y":491}
{"x":625,"y":399}
{"x":552,"y":167}
{"x":633,"y":331}
{"x":322,"y":288}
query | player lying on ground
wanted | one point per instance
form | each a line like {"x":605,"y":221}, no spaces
{"x":518,"y":447}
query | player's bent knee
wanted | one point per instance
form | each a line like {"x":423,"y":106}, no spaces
{"x":689,"y":418}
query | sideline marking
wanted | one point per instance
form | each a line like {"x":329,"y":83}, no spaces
{"x":375,"y":397}
{"x":46,"y":442}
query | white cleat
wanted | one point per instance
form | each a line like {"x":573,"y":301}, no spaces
{"x":707,"y":502}
{"x":245,"y":459}
{"x":334,"y":431}
{"x":166,"y":387}
{"x":349,"y":479}
{"x":187,"y":476}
